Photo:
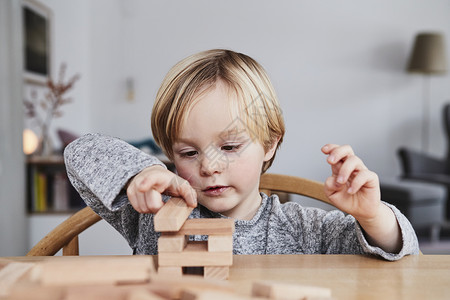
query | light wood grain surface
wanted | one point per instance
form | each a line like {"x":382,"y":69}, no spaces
{"x":351,"y":276}
{"x":348,"y":276}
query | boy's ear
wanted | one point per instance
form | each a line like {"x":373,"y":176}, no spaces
{"x":269,"y":154}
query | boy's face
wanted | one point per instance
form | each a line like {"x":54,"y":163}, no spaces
{"x":218,"y":156}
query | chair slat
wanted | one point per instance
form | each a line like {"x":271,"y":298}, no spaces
{"x":296,"y":185}
{"x":71,"y":249}
{"x":65,"y":232}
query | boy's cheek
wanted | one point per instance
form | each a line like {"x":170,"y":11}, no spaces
{"x":186,"y":173}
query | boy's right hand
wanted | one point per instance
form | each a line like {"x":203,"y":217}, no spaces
{"x":144,"y":190}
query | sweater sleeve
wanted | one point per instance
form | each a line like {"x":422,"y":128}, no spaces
{"x":342,"y":234}
{"x":98,"y":167}
{"x":333,"y":232}
{"x":410,"y":244}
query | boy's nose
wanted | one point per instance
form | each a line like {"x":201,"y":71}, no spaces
{"x":210,"y":166}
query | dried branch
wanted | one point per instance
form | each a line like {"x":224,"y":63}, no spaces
{"x":53,"y":99}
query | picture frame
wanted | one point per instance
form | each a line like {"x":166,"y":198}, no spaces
{"x":37,"y":41}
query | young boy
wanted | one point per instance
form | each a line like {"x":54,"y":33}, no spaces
{"x":216,"y":116}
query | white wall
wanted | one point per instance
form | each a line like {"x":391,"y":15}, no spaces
{"x":99,"y":239}
{"x":338,"y":68}
{"x":13,"y":231}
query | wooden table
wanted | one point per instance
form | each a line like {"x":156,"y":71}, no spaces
{"x":348,"y":276}
{"x":351,"y":276}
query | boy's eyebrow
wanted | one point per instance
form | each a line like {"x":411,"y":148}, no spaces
{"x":182,"y":140}
{"x":233,"y":133}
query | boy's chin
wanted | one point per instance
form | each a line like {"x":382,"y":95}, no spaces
{"x":221,"y":206}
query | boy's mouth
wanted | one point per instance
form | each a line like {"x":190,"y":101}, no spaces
{"x":215,"y":190}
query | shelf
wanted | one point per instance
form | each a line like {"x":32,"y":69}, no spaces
{"x":53,"y":212}
{"x":48,"y":188}
{"x":49,"y":191}
{"x":54,"y":159}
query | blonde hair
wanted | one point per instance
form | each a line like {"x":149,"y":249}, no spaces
{"x":256,"y":97}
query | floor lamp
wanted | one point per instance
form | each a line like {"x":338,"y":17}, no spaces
{"x":428,"y":58}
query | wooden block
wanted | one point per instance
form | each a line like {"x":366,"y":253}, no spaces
{"x":143,"y":294}
{"x":169,"y":242}
{"x":214,"y":272}
{"x":27,"y":291}
{"x":172,"y":215}
{"x":95,"y":270}
{"x":171,"y":288}
{"x":286,"y":291}
{"x":4,"y":262}
{"x":207,"y":227}
{"x":110,"y":292}
{"x":93,"y":292}
{"x":10,"y":273}
{"x":220,"y":243}
{"x":202,"y":294}
{"x":195,"y":255}
{"x":171,"y":271}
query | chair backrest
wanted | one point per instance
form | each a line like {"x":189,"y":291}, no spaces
{"x":65,"y":235}
{"x":293,"y":185}
{"x":446,"y":119}
{"x":415,"y":163}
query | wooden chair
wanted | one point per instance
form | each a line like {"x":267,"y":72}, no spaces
{"x":293,"y":185}
{"x":65,"y":235}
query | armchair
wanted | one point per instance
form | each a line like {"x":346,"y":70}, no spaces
{"x":423,"y":167}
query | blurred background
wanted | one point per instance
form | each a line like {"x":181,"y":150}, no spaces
{"x":340,"y":69}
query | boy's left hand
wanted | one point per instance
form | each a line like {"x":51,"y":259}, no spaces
{"x":352,"y":187}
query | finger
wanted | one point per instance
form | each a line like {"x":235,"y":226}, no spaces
{"x":349,"y":166}
{"x":188,"y":194}
{"x":147,"y":180}
{"x":132,"y":197}
{"x":141,"y":203}
{"x":326,"y":149}
{"x":143,"y":183}
{"x":330,"y":186}
{"x":339,"y":153}
{"x":181,"y":187}
{"x":153,"y":201}
{"x":364,"y":178}
{"x":135,"y":199}
{"x":335,"y":192}
{"x":336,"y":168}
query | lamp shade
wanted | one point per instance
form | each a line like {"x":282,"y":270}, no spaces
{"x":428,"y":55}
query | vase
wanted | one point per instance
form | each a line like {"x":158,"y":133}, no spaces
{"x":45,"y":147}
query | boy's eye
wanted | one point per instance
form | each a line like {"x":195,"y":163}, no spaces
{"x":189,"y":153}
{"x":231,"y":147}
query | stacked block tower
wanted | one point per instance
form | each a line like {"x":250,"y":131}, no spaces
{"x":175,"y":251}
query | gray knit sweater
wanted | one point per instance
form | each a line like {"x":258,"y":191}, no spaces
{"x":99,"y":167}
